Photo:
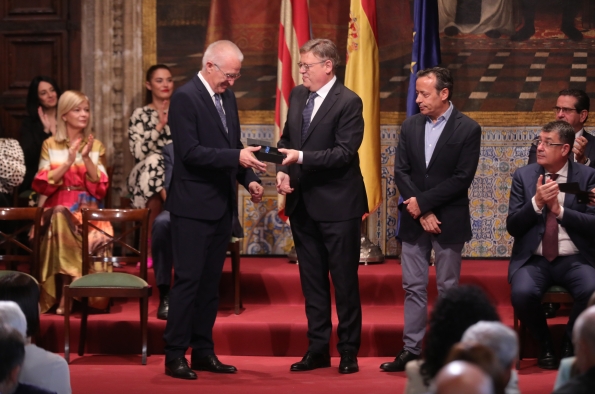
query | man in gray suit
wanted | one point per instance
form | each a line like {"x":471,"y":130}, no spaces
{"x":435,"y":163}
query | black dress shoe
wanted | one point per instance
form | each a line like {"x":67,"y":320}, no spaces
{"x":163,"y":309}
{"x":178,"y":368}
{"x":567,"y":348}
{"x":400,"y":361}
{"x":312,"y":361}
{"x":211,"y":363}
{"x":547,"y":358}
{"x":348,"y":362}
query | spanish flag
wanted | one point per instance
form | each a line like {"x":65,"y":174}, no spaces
{"x":294,"y":31}
{"x":362,"y":76}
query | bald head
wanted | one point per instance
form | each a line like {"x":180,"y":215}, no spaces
{"x":461,"y":377}
{"x":583,"y":336}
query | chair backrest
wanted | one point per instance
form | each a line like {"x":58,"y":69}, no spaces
{"x":140,"y":220}
{"x":12,"y":250}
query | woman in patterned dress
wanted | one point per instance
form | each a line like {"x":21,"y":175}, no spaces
{"x":71,"y":177}
{"x":148,"y":133}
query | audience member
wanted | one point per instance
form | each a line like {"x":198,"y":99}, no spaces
{"x":148,"y":133}
{"x":584,"y":341}
{"x":457,"y":310}
{"x":40,"y":368}
{"x":39,"y":124}
{"x":553,"y":236}
{"x":12,"y":169}
{"x":503,"y":342}
{"x":462,"y":377}
{"x":567,"y":368}
{"x":12,"y":354}
{"x":161,"y":241}
{"x":483,"y":357}
{"x":71,"y":177}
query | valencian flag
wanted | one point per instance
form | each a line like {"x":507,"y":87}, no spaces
{"x":426,"y":45}
{"x":294,"y":31}
{"x":362,"y":76}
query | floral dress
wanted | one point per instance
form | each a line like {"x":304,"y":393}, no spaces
{"x":146,"y":143}
{"x":61,"y":240}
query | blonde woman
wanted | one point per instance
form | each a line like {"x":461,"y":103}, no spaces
{"x":71,"y":176}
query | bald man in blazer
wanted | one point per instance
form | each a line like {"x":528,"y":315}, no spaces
{"x":326,"y":199}
{"x":209,"y":160}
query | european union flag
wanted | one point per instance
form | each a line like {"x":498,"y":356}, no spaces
{"x":426,"y":45}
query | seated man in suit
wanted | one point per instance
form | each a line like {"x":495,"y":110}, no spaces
{"x":572,"y":106}
{"x":553,"y":236}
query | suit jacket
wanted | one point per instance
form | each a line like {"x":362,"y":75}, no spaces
{"x":168,"y":160}
{"x":527,"y":226}
{"x":329,"y":180}
{"x":589,"y":150}
{"x":443,"y":186}
{"x":206,"y":159}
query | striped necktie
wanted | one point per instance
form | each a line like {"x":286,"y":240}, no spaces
{"x":220,"y":110}
{"x":307,"y":114}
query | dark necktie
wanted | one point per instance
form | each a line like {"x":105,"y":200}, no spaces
{"x":549,"y":242}
{"x":220,"y":110}
{"x":307,"y":114}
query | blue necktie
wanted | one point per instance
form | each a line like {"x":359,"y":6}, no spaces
{"x":307,"y":114}
{"x":220,"y":110}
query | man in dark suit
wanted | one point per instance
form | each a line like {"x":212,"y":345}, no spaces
{"x":209,"y":159}
{"x":326,"y":199}
{"x":573,"y":107}
{"x":553,"y":236}
{"x":435,"y":163}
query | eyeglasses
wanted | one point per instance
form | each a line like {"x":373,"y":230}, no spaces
{"x":307,"y":66}
{"x":564,"y":110}
{"x":547,"y":144}
{"x":233,"y":77}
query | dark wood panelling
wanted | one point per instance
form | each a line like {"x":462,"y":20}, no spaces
{"x":37,"y":37}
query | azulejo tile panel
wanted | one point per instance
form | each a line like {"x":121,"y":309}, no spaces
{"x":503,"y":150}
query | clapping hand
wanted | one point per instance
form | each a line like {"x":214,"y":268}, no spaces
{"x":87,"y":148}
{"x":45,"y":120}
{"x":72,"y":151}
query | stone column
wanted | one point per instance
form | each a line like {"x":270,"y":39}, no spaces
{"x":112,"y":77}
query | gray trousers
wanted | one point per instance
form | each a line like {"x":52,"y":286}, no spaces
{"x":415,"y":259}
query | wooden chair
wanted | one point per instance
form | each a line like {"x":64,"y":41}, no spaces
{"x":111,"y":284}
{"x":555,"y":294}
{"x":234,"y":250}
{"x":13,"y":251}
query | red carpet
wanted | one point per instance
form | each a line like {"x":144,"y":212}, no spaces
{"x":272,"y":324}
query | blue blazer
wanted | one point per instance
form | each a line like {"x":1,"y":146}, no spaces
{"x":206,"y":156}
{"x":527,"y":226}
{"x":443,"y":186}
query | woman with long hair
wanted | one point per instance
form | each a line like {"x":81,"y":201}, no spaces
{"x":148,"y":133}
{"x":39,"y":124}
{"x":71,"y":176}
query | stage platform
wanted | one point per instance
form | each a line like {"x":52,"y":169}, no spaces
{"x":270,"y":333}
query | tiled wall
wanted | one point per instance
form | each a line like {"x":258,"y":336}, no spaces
{"x":503,"y":150}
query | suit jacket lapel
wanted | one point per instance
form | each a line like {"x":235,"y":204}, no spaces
{"x":573,"y":173}
{"x":210,"y":105}
{"x":297,"y":119}
{"x":448,"y":131}
{"x":420,"y":139}
{"x":327,"y":104}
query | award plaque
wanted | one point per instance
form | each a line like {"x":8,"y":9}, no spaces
{"x":266,"y":152}
{"x":582,"y":196}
